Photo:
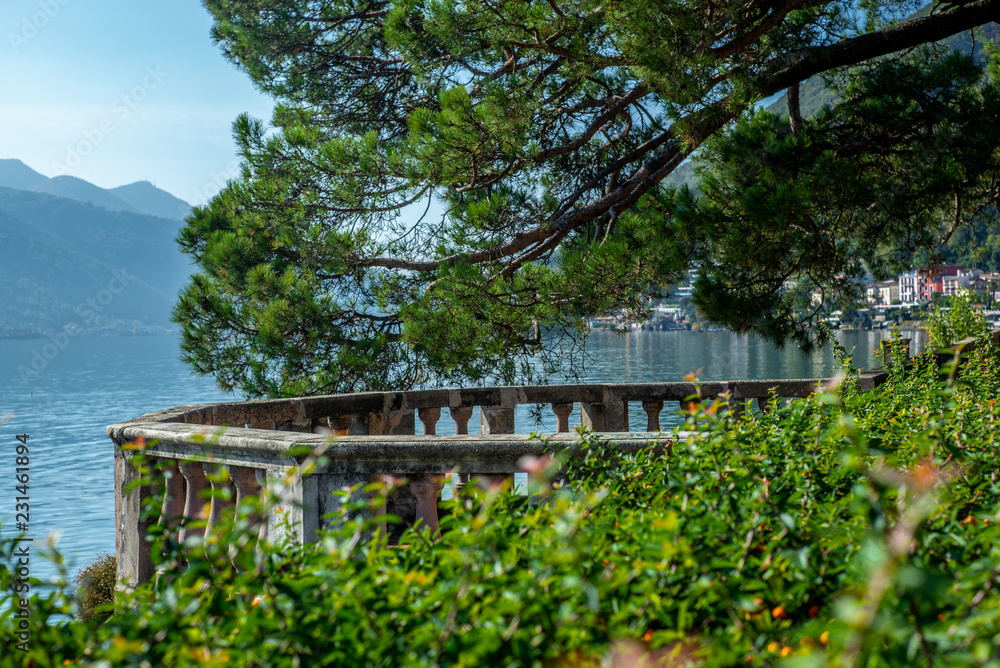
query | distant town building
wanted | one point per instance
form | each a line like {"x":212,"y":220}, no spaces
{"x":883,"y":293}
{"x":921,"y":285}
{"x":987,"y":285}
{"x":908,"y":287}
{"x":952,"y":285}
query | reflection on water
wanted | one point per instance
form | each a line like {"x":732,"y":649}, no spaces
{"x":647,"y":357}
{"x":653,"y":357}
{"x":658,"y":357}
{"x":96,"y":382}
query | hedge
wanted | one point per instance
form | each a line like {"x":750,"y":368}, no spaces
{"x":848,"y":528}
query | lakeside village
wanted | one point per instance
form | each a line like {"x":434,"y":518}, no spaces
{"x":907,"y":298}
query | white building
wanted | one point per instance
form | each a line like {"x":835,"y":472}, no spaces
{"x":883,"y":293}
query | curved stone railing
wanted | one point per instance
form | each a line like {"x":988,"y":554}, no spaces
{"x":366,"y":437}
{"x":374,"y":435}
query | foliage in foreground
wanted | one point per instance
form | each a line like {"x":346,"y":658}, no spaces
{"x":96,"y":588}
{"x":846,"y":529}
{"x":962,"y":318}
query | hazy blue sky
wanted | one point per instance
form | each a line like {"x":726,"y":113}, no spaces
{"x":116,"y":91}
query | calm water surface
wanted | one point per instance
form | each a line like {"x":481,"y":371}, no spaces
{"x":64,"y":409}
{"x":650,"y":357}
{"x":92,"y":383}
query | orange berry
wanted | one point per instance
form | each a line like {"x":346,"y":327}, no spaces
{"x":772,"y":646}
{"x":824,"y":637}
{"x":779,"y":613}
{"x":814,"y":612}
{"x":785,"y":651}
{"x":647,"y":636}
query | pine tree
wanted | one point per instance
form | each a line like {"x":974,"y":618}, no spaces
{"x":448,"y":189}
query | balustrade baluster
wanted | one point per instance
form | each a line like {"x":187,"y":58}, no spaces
{"x":652,"y":408}
{"x":261,"y":477}
{"x":427,"y":490}
{"x":219,"y":480}
{"x":461,"y":415}
{"x":429,"y":417}
{"x":245,"y":480}
{"x":592,"y":415}
{"x":562,"y":412}
{"x":194,"y":476}
{"x":173,"y":497}
{"x":359,"y":426}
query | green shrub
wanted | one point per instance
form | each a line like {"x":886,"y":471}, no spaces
{"x":96,"y":588}
{"x":845,"y":529}
{"x":962,"y":318}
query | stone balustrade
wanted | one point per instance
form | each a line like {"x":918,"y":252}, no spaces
{"x":246,"y":446}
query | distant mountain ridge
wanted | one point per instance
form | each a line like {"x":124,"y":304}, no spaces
{"x":61,"y":263}
{"x":76,"y":257}
{"x":139,"y":197}
{"x":146,"y":198}
{"x":83,"y":191}
{"x":16,"y":174}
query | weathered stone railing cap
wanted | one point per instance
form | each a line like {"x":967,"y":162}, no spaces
{"x":286,"y":413}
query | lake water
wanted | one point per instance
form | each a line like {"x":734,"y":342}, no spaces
{"x":91,"y":383}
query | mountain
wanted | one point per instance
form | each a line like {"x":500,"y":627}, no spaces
{"x":16,"y":174}
{"x":146,"y":198}
{"x":77,"y":257}
{"x":65,"y":262}
{"x":814,"y":95}
{"x":84,"y":191}
{"x":139,"y":197}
